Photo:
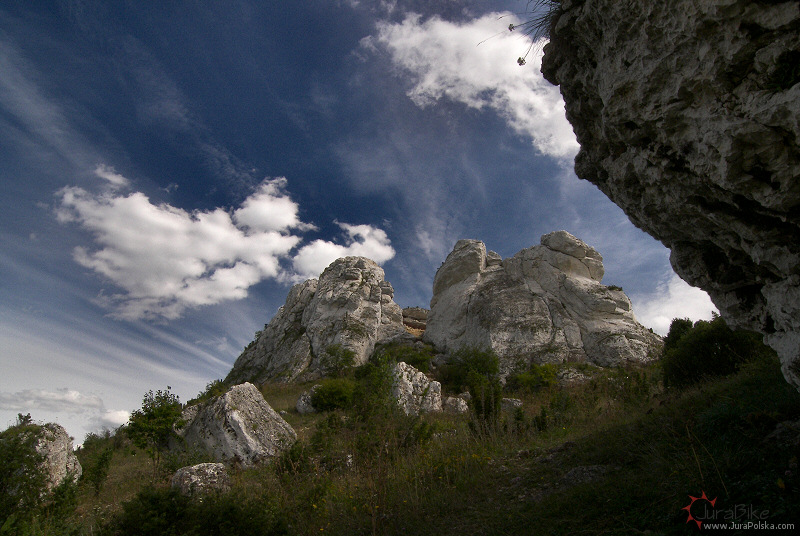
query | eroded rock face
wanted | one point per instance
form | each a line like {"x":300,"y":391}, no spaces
{"x":238,"y":427}
{"x":687,"y":117}
{"x":415,"y":392}
{"x":55,"y":444}
{"x":201,"y":479}
{"x":351,"y":306}
{"x":545,"y":305}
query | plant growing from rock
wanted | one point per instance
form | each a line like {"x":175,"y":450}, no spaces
{"x":337,"y":360}
{"x":152,"y":427}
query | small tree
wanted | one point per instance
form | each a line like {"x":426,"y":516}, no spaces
{"x":22,"y":475}
{"x":153,"y":427}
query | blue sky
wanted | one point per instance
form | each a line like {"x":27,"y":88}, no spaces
{"x":168,"y":171}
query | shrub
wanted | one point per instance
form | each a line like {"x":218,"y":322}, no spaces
{"x":213,"y":389}
{"x":337,"y":360}
{"x":22,"y":476}
{"x":536,"y":378}
{"x":419,"y":358}
{"x":333,"y":393}
{"x":153,"y":427}
{"x":165,"y":512}
{"x":455,"y":373}
{"x":707,"y":350}
{"x":476,"y":370}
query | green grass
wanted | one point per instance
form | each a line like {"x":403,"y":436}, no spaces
{"x":435,"y":475}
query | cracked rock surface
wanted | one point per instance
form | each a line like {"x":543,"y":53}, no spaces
{"x":687,"y":117}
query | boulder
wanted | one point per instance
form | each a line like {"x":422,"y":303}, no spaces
{"x":546,"y":304}
{"x":455,"y":405}
{"x":238,"y":427}
{"x":201,"y":479}
{"x":687,"y":117}
{"x":414,"y":391}
{"x":304,"y":404}
{"x":55,"y":444}
{"x":351,"y":306}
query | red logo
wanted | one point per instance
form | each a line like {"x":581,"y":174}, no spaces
{"x":692,"y":500}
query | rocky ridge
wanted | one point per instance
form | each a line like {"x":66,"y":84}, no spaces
{"x":687,"y":117}
{"x":546,"y":304}
{"x":350,"y":306}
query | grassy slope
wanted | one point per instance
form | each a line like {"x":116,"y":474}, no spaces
{"x":639,"y":454}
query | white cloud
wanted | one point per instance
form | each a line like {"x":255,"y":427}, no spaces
{"x":362,"y":240}
{"x":673,"y":298}
{"x":109,"y":419}
{"x":62,"y":400}
{"x":167,"y":259}
{"x":446,"y":60}
{"x":269,"y":209}
{"x":109,"y":173}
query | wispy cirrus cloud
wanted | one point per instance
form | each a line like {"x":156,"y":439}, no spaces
{"x":166,"y":259}
{"x":456,"y":61}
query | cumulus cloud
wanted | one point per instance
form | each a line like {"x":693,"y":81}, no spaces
{"x":458,"y":62}
{"x":673,"y":298}
{"x":361,"y":240}
{"x":167,"y":259}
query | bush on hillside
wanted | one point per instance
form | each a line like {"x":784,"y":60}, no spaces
{"x":165,"y":512}
{"x":535,"y":378}
{"x":418,"y":357}
{"x":333,"y":393}
{"x":706,"y":350}
{"x":22,"y":476}
{"x":476,"y":370}
{"x":337,"y":360}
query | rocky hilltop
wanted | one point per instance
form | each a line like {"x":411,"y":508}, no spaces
{"x":546,"y":304}
{"x":687,"y":117}
{"x":350,"y":307}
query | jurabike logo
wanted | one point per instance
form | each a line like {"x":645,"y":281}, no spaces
{"x":693,"y":500}
{"x":704,"y":512}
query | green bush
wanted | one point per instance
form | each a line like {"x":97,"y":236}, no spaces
{"x":707,"y":350}
{"x":455,"y":374}
{"x":165,"y":512}
{"x":476,"y":370}
{"x":152,"y":428}
{"x":333,"y":393}
{"x":22,"y":476}
{"x":536,"y":378}
{"x":213,"y":389}
{"x":337,"y":360}
{"x":418,"y":357}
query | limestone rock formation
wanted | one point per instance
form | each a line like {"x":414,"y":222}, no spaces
{"x":414,"y":318}
{"x":415,"y":393}
{"x":687,"y":117}
{"x":239,"y":426}
{"x":351,"y":305}
{"x":201,"y":479}
{"x":545,"y":305}
{"x":55,"y":444}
